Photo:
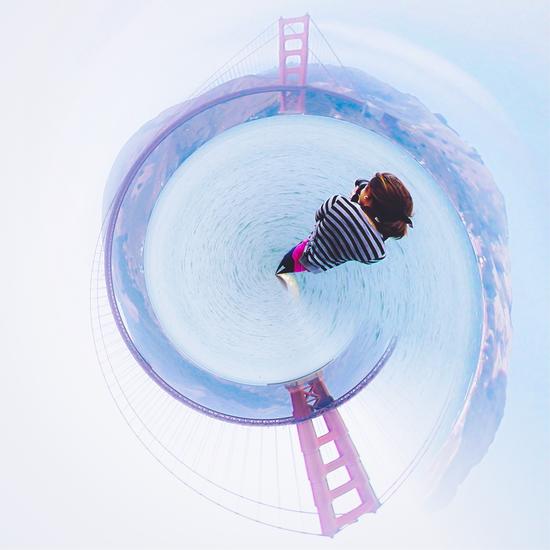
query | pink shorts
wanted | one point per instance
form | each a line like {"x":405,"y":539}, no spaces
{"x":296,"y":253}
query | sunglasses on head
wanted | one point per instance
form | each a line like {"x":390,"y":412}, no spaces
{"x":360,"y":184}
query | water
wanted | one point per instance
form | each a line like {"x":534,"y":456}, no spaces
{"x":234,"y":208}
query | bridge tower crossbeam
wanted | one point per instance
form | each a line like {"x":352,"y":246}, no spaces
{"x":293,"y":59}
{"x":305,"y":399}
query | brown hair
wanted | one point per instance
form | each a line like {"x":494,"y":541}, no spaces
{"x":391,"y":206}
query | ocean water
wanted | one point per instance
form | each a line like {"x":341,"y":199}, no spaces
{"x":241,"y":201}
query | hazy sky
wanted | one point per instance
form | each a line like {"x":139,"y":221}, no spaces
{"x":78,"y":79}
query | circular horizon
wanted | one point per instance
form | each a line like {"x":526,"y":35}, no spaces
{"x":228,"y":214}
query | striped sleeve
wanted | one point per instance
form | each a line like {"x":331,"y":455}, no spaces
{"x":370,"y":246}
{"x":355,"y":234}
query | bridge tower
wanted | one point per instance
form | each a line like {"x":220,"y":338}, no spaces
{"x":305,"y":399}
{"x":293,"y":55}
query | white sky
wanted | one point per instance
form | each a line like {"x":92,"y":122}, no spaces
{"x":77,"y":80}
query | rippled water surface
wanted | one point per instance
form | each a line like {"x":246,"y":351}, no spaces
{"x":235,"y":207}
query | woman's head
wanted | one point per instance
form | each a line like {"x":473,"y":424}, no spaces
{"x":388,"y":203}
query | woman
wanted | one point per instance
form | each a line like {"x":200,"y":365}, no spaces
{"x":354,"y":228}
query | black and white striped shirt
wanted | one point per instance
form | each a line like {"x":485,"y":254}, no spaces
{"x":342,"y":233}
